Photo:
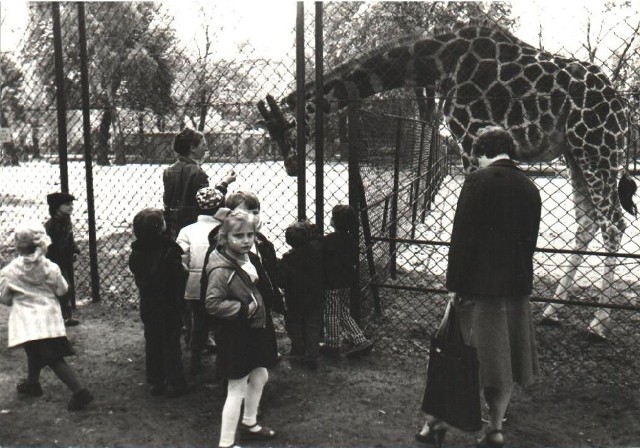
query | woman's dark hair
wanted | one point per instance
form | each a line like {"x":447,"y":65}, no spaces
{"x":345,"y":218}
{"x":185,"y":140}
{"x":492,"y":141}
{"x":236,"y":198}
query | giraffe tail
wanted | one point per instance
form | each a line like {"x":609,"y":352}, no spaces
{"x":626,"y":189}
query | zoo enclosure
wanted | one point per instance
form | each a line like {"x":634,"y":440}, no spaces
{"x":122,"y":152}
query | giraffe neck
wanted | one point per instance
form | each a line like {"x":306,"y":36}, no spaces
{"x":406,"y":63}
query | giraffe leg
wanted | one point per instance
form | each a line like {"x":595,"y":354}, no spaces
{"x":585,"y":233}
{"x":612,"y":239}
{"x":596,"y":183}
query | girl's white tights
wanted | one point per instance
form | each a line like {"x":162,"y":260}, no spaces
{"x":248,"y":389}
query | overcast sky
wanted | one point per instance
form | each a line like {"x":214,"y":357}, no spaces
{"x":268,"y":24}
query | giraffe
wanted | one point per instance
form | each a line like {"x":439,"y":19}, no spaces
{"x":553,"y":106}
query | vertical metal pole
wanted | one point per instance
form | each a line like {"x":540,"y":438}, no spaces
{"x":319,"y":139}
{"x":88,"y":165}
{"x":354,"y":171}
{"x":393,"y":223}
{"x":416,"y":183}
{"x":60,"y":98}
{"x":300,"y":114}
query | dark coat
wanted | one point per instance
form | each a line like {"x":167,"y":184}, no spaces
{"x":300,"y":275}
{"x":63,"y":245}
{"x":161,"y":278}
{"x":494,"y":235}
{"x":182,"y":180}
{"x":340,"y":256}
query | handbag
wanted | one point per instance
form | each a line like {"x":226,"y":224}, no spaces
{"x":452,"y":392}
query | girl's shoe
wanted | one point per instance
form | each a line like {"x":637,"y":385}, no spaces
{"x":30,"y":389}
{"x":264,"y":433}
{"x":435,"y":436}
{"x":79,"y":400}
{"x":491,"y":440}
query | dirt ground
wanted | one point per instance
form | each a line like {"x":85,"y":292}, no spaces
{"x":370,"y":402}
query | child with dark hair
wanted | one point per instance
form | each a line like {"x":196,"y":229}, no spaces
{"x":193,"y":239}
{"x":184,"y":178}
{"x":300,"y":275}
{"x":339,"y":256}
{"x":156,"y":264}
{"x":30,"y":284}
{"x":63,"y":249}
{"x":237,"y":290}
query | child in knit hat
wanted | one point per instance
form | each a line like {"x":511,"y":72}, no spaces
{"x":156,"y":264}
{"x":30,"y":284}
{"x":63,"y":250}
{"x":193,"y":239}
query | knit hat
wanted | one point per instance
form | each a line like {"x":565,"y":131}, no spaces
{"x":209,"y":198}
{"x":297,"y":234}
{"x":55,"y":200}
{"x":148,"y":223}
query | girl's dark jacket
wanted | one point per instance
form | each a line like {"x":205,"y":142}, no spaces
{"x":156,"y":264}
{"x":229,"y":290}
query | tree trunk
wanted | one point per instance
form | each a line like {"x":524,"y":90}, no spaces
{"x":35,"y":140}
{"x":118,"y":144}
{"x":426,"y":104}
{"x":102,"y":144}
{"x":203,"y":111}
{"x":9,"y":148}
{"x":343,"y":137}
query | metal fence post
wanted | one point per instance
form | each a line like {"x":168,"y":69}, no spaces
{"x":354,"y":168}
{"x":393,"y":222}
{"x":88,"y":166}
{"x":319,"y":139}
{"x":300,"y":113}
{"x":61,"y":106}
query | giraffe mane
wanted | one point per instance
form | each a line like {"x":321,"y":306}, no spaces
{"x":495,"y":30}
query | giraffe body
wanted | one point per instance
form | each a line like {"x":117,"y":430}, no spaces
{"x":553,"y":106}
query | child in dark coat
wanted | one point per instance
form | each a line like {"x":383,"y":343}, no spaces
{"x":63,"y":249}
{"x":300,"y":275}
{"x":156,"y":264}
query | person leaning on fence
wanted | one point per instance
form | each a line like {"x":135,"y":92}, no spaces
{"x":156,"y":264}
{"x":184,"y":178}
{"x":63,"y":249}
{"x":300,"y":275}
{"x":29,"y":285}
{"x":339,"y":258}
{"x":237,"y":290}
{"x":193,"y":239}
{"x":490,"y":276}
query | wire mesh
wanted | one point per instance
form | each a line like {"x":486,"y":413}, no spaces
{"x":146,"y":83}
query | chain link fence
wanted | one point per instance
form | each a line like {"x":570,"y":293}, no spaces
{"x":147,"y":81}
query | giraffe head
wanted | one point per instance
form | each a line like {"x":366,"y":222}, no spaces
{"x":281,"y":124}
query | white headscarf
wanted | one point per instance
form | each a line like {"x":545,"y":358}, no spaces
{"x":30,"y":233}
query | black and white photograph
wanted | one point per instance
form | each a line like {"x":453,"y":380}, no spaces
{"x":288,"y":224}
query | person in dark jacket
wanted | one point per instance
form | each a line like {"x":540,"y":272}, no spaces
{"x":63,"y":250}
{"x":300,"y":275}
{"x":339,"y":258}
{"x":156,"y":264}
{"x":237,"y":290}
{"x":490,"y":275}
{"x":184,"y":178}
